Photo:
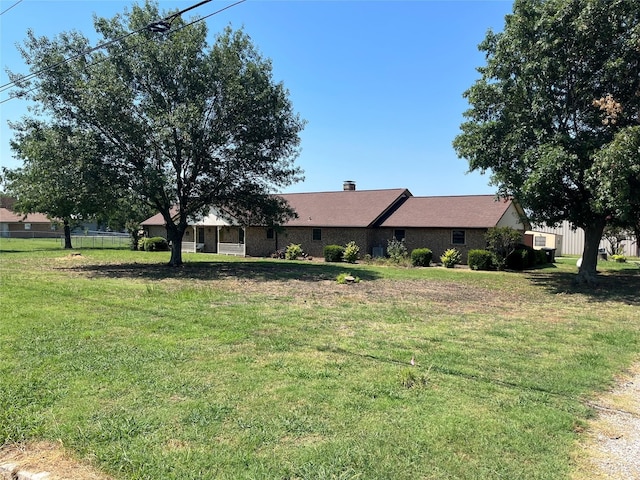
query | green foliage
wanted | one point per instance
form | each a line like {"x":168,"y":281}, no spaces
{"x":480,"y":260}
{"x":521,"y":258}
{"x":421,"y":257}
{"x":344,"y":278}
{"x":154,"y":244}
{"x":397,"y":250}
{"x":208,"y":108}
{"x":561,"y":143}
{"x":351,"y":252}
{"x":501,"y":241}
{"x":616,"y":182}
{"x":320,"y":363}
{"x":451,"y":258}
{"x":540,"y":257}
{"x":293,"y":251}
{"x":333,"y":253}
{"x":615,"y":236}
{"x":411,"y":378}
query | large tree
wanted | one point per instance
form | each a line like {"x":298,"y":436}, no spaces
{"x":541,"y":111}
{"x":186,"y":125}
{"x":60,"y":176}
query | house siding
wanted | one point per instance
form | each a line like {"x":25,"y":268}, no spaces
{"x":573,"y":240}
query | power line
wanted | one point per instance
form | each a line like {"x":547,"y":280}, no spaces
{"x":159,"y":26}
{"x":7,"y":9}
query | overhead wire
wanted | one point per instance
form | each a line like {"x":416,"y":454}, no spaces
{"x":149,"y":26}
{"x":7,"y":9}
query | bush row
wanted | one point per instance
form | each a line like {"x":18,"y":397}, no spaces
{"x":520,"y":258}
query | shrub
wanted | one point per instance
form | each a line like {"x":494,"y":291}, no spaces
{"x":450,"y":258}
{"x":333,"y":253}
{"x":502,"y":241}
{"x":397,"y":250}
{"x":154,"y":244}
{"x":293,"y":251}
{"x":480,"y":260}
{"x":421,"y":257}
{"x":351,"y":251}
{"x":540,"y":257}
{"x":522,"y":257}
{"x":619,"y":258}
{"x":347,"y":278}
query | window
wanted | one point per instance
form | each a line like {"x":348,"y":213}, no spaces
{"x":270,"y":233}
{"x":27,"y":226}
{"x":399,"y":235}
{"x":316,"y":234}
{"x":540,"y":241}
{"x":458,"y":237}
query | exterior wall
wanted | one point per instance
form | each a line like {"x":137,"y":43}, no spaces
{"x":438,"y":240}
{"x":156,"y":231}
{"x":37,"y":230}
{"x":573,"y":240}
{"x":540,"y":240}
{"x":257,"y":243}
{"x":329,"y":236}
{"x":511,"y":218}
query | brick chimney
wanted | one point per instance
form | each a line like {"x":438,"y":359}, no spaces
{"x":349,"y":186}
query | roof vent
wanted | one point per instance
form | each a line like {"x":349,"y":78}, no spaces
{"x":349,"y":185}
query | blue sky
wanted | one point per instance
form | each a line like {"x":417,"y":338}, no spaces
{"x":380,"y":83}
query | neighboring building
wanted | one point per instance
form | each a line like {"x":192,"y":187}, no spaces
{"x":573,"y":240}
{"x":369,"y":217}
{"x":544,"y":241}
{"x":33,"y":225}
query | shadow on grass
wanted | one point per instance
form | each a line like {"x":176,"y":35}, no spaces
{"x":613,"y":286}
{"x":216,"y":270}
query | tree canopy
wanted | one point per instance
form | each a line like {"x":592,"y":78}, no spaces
{"x":60,"y":176}
{"x":560,"y":83}
{"x":185,"y":125}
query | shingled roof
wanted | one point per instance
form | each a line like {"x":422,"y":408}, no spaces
{"x":7,"y":216}
{"x":353,"y":208}
{"x":469,"y":211}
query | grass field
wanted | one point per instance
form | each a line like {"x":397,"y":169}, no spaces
{"x":262,"y":369}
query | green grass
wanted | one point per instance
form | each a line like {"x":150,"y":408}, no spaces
{"x":245,"y":368}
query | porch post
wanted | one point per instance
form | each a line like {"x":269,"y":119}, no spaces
{"x":195,"y":239}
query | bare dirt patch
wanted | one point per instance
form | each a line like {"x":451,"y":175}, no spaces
{"x":611,"y":447}
{"x":39,"y":457}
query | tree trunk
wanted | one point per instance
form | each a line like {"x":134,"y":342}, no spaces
{"x":174,"y":234}
{"x":67,"y":234}
{"x":587,"y":274}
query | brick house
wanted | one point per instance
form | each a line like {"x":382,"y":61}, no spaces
{"x":33,"y":225}
{"x":369,"y":217}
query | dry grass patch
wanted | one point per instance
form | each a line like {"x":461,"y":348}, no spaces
{"x":37,"y":457}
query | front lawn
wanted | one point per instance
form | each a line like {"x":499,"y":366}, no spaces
{"x":245,"y":368}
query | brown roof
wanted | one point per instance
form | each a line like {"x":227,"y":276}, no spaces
{"x":157,"y":219}
{"x":354,"y":208}
{"x":7,"y":216}
{"x":470,"y":211}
